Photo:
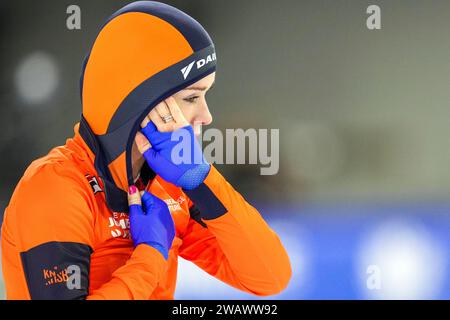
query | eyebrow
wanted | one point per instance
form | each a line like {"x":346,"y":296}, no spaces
{"x":199,"y":88}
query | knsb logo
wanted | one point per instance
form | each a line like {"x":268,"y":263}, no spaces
{"x":54,"y":276}
{"x":198,"y":63}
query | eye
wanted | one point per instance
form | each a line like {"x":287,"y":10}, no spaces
{"x":191,"y":99}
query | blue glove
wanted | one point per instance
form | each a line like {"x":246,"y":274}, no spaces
{"x":176,"y":156}
{"x":151,"y":223}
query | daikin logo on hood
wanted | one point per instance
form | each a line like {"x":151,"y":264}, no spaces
{"x":198,"y":64}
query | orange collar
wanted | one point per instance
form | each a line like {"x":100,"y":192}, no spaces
{"x":78,"y":144}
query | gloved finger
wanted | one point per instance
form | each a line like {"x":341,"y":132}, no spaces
{"x":176,"y":113}
{"x":151,"y":156}
{"x":148,"y":200}
{"x":149,"y":130}
{"x":134,"y":198}
{"x":142,"y":142}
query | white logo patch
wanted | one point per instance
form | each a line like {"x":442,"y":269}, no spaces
{"x":198,"y":63}
{"x":186,"y":70}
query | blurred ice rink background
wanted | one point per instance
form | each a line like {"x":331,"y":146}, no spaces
{"x":363,"y":115}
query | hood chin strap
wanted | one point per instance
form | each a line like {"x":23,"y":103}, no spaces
{"x":116,"y":198}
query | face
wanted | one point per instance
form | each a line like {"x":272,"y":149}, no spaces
{"x":192,"y":102}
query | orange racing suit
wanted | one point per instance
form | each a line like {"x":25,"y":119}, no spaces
{"x":69,"y":214}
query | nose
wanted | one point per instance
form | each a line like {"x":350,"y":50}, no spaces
{"x":203,"y":116}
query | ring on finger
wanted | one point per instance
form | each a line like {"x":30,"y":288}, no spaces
{"x":167,"y":118}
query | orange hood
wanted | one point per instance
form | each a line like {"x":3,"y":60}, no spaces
{"x":145,"y":53}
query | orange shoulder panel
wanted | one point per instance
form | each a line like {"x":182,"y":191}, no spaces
{"x":238,"y":246}
{"x":52,"y":202}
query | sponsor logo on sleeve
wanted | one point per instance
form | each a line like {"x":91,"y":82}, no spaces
{"x":94,"y":183}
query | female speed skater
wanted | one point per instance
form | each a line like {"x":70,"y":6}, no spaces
{"x":107,"y":215}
